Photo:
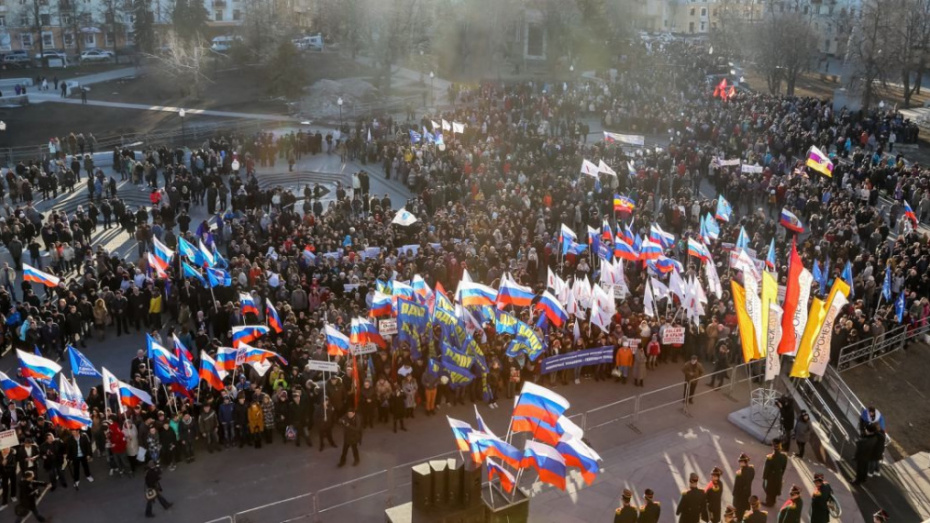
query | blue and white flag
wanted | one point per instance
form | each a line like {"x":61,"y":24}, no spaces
{"x":848,"y":277}
{"x":80,"y":365}
{"x":404,"y":218}
{"x":415,"y":137}
{"x":886,"y":286}
{"x":899,"y":307}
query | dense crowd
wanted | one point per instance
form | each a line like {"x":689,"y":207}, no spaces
{"x":489,"y":201}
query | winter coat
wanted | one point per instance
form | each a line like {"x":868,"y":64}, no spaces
{"x":256,"y":418}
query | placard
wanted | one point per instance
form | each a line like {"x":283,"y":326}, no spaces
{"x":323,"y":366}
{"x":728,"y":163}
{"x":361,"y":350}
{"x":673,"y":336}
{"x":387,"y":326}
{"x":8,"y":439}
{"x":751,"y":169}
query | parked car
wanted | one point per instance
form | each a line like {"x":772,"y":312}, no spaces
{"x":17,"y":60}
{"x":52,"y":55}
{"x":222,"y":44}
{"x":309,"y":43}
{"x":96,"y":55}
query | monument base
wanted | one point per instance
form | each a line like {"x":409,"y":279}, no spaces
{"x":743,"y":419}
{"x":499,"y":509}
{"x":407,"y":514}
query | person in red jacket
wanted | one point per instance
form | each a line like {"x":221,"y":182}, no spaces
{"x":116,"y":444}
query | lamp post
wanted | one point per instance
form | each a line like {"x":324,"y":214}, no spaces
{"x":431,"y":76}
{"x":6,"y":154}
{"x":182,"y":113}
{"x":339,"y":103}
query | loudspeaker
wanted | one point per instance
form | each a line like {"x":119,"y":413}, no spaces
{"x":421,"y":486}
{"x":471,"y":484}
{"x":454,"y":478}
{"x":440,"y":473}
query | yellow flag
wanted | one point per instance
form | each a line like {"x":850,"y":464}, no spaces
{"x":769,"y":295}
{"x":819,"y":310}
{"x":747,"y":333}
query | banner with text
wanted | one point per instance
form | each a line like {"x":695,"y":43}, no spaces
{"x":579,"y":358}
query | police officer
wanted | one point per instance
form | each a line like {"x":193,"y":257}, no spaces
{"x":729,"y":516}
{"x":823,"y":492}
{"x":755,"y":514}
{"x":792,"y":509}
{"x":742,"y":487}
{"x":692,"y":502}
{"x":626,"y":513}
{"x":773,"y":473}
{"x":713,"y":496}
{"x":650,"y":511}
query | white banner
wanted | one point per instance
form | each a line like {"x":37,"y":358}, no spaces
{"x":8,"y":439}
{"x":673,"y":336}
{"x":805,"y":280}
{"x":628,"y":139}
{"x":361,"y":350}
{"x":387,"y":327}
{"x":773,"y":337}
{"x":728,"y":163}
{"x":751,"y":168}
{"x":323,"y":366}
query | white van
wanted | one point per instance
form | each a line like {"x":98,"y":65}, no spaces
{"x":314,"y":43}
{"x":221,"y":44}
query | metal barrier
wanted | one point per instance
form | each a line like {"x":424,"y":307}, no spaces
{"x":828,"y":420}
{"x":222,"y":519}
{"x":290,"y":509}
{"x":352,"y":500}
{"x":866,"y":351}
{"x":596,"y":418}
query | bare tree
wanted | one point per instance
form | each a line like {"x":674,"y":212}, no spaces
{"x":71,"y":13}
{"x":912,"y":36}
{"x":33,"y":12}
{"x":871,"y":36}
{"x":784,"y":46}
{"x":113,"y":12}
{"x":183,"y":60}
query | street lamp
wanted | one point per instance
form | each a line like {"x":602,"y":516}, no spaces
{"x":182,"y":113}
{"x":431,"y":76}
{"x":7,"y":155}
{"x":339,"y":103}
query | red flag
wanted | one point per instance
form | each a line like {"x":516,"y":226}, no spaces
{"x":732,"y":92}
{"x":721,"y":90}
{"x":792,"y":294}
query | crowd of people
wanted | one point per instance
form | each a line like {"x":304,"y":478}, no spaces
{"x":489,"y":201}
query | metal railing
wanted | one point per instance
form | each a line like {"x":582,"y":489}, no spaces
{"x":829,"y":422}
{"x":865,"y":351}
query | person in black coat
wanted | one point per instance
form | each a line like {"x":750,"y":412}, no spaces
{"x":153,"y":489}
{"x":29,"y":489}
{"x":398,"y":408}
{"x":692,"y":502}
{"x":79,"y":453}
{"x":773,"y":473}
{"x":241,"y":419}
{"x":626,"y":513}
{"x":52,"y":453}
{"x":865,"y":449}
{"x":326,"y":418}
{"x":823,"y":492}
{"x":742,"y":486}
{"x":351,"y":435}
{"x":713,"y":495}
{"x":879,"y":452}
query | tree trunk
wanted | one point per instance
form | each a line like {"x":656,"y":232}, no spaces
{"x":906,"y":83}
{"x":920,"y":79}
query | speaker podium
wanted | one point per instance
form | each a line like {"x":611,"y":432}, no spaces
{"x":449,"y":491}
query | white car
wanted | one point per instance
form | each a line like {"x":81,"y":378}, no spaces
{"x":96,"y":55}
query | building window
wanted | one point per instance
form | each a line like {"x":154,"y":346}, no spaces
{"x":6,"y":42}
{"x":24,"y":20}
{"x":26,"y":40}
{"x":703,"y":11}
{"x":90,"y":40}
{"x":87,"y":19}
{"x":69,"y":40}
{"x":2,"y":20}
{"x":237,"y":14}
{"x":535,"y":40}
{"x":692,"y":11}
{"x":48,"y":39}
{"x":703,"y":26}
{"x":109,"y":39}
{"x":66,"y":20}
{"x":45,"y":20}
{"x":690,"y":27}
{"x":219,"y":16}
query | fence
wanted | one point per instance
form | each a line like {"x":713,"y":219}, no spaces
{"x":358,"y":499}
{"x":866,"y":351}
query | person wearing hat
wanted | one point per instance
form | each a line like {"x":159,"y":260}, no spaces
{"x":713,"y":495}
{"x":791,"y":511}
{"x":773,"y":473}
{"x":351,"y":436}
{"x":29,"y":494}
{"x":823,"y":493}
{"x":626,"y":513}
{"x":693,"y":370}
{"x":880,"y":517}
{"x":729,"y":515}
{"x":153,"y":489}
{"x":755,"y":514}
{"x":742,"y":487}
{"x":650,"y":511}
{"x":692,"y":502}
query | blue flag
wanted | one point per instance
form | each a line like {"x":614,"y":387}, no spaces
{"x":899,"y":307}
{"x":190,"y":272}
{"x":724,"y":210}
{"x":80,"y":365}
{"x":848,"y":277}
{"x":886,"y":286}
{"x":218,"y":278}
{"x":818,"y":276}
{"x":742,"y":241}
{"x":415,"y":136}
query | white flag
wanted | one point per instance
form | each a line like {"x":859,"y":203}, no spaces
{"x":70,"y":394}
{"x":446,"y":126}
{"x":576,"y":332}
{"x":713,"y":280}
{"x":552,"y":280}
{"x":604,"y":301}
{"x":466,"y":277}
{"x":111,"y":386}
{"x":607,"y":272}
{"x":821,"y":356}
{"x":458,"y":128}
{"x":676,"y":286}
{"x":605,"y":169}
{"x":772,"y":358}
{"x":261,"y":367}
{"x":660,"y":289}
{"x":588,"y":167}
{"x":404,"y":218}
{"x":600,"y":318}
{"x":805,"y":280}
{"x":753,"y":305}
{"x":435,"y":124}
{"x":649,"y":306}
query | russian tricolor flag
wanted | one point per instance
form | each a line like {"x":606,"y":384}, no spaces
{"x":226,"y":358}
{"x":250,"y":354}
{"x":66,"y":417}
{"x":161,"y":253}
{"x":549,"y":464}
{"x":507,"y":481}
{"x":381,"y":305}
{"x":460,"y":430}
{"x":421,"y":289}
{"x":552,"y":308}
{"x":34,"y":275}
{"x":37,"y":367}
{"x":791,"y":222}
{"x":484,"y":446}
{"x":400,"y":290}
{"x":512,"y":293}
{"x":247,"y":303}
{"x":539,"y":403}
{"x":133,"y":397}
{"x":577,"y":454}
{"x":210,"y":372}
{"x":650,"y":250}
{"x":271,"y":314}
{"x":14,"y":390}
{"x":247,"y":333}
{"x":539,"y":429}
{"x":472,"y":294}
{"x":336,"y":342}
{"x":158,"y":352}
{"x":625,"y":251}
{"x":665,"y":239}
{"x":363,"y":331}
{"x":697,"y":249}
{"x":38,"y":397}
{"x":909,"y":213}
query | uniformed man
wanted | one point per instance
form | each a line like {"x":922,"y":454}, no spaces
{"x":729,"y":516}
{"x":742,"y":487}
{"x":773,"y":473}
{"x":649,"y":512}
{"x":713,"y":495}
{"x":880,"y":517}
{"x":692,"y":502}
{"x":755,"y":514}
{"x":626,"y":513}
{"x":791,"y":511}
{"x":823,"y":492}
